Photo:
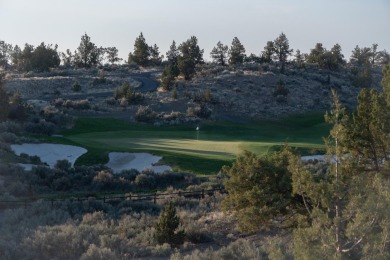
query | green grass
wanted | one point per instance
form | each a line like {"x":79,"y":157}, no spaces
{"x":204,"y":151}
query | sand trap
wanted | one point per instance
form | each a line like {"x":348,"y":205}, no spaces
{"x":139,"y":161}
{"x":314,"y":157}
{"x":50,"y":153}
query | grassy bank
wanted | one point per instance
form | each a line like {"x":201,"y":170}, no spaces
{"x":203,"y":151}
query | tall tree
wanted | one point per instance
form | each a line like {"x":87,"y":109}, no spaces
{"x":282,"y":50}
{"x":316,"y":54}
{"x":173,"y":54}
{"x":5,"y":53}
{"x":190,"y":55}
{"x":269,"y":51}
{"x":236,"y":52}
{"x":155,"y":57}
{"x":219,"y":53}
{"x":347,"y":207}
{"x":190,"y":50}
{"x":299,"y":59}
{"x":360,"y":56}
{"x":87,"y":54}
{"x":141,"y":52}
{"x":4,"y":101}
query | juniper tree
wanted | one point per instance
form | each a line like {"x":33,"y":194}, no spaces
{"x":167,"y":226}
{"x":347,"y":208}
{"x":260,"y":191}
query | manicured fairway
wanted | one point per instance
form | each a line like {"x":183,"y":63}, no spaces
{"x":203,"y":151}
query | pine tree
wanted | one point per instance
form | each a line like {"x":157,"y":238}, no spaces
{"x":173,"y":54}
{"x":282,"y":50}
{"x":268,"y":52}
{"x":166,"y":227}
{"x":236,"y":52}
{"x":4,"y":101}
{"x":87,"y":53}
{"x":219,"y":53}
{"x":141,"y":52}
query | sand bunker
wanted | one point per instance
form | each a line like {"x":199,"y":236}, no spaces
{"x":50,"y":153}
{"x":139,"y":161}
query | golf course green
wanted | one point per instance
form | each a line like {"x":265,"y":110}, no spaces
{"x":202,"y":151}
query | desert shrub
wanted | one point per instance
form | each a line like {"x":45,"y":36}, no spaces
{"x":204,"y":96}
{"x":17,"y":112}
{"x":201,"y":111}
{"x":145,"y":180}
{"x":145,"y":114}
{"x":63,"y":165}
{"x":10,"y":126}
{"x":280,"y":89}
{"x":43,"y":127}
{"x":128,"y":94}
{"x":97,"y":253}
{"x":111,"y":101}
{"x":76,"y":87}
{"x":7,"y":137}
{"x":75,"y":104}
{"x":174,"y":94}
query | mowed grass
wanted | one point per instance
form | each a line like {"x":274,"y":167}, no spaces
{"x":204,"y":151}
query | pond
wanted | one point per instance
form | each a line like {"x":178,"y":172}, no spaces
{"x":51,"y":153}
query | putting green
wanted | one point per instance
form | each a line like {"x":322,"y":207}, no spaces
{"x":183,"y":147}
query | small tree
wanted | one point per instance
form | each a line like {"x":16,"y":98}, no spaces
{"x":87,"y":54}
{"x":166,"y":227}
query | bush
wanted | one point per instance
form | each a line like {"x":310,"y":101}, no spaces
{"x":76,"y":87}
{"x":145,"y":114}
{"x":127,"y":94}
{"x":281,"y":89}
{"x":201,"y":111}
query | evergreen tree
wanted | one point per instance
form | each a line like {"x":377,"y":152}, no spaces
{"x":168,"y":77}
{"x":360,"y":56}
{"x":190,"y":50}
{"x":282,"y":50}
{"x":44,"y":57}
{"x":4,"y":101}
{"x":260,"y":191}
{"x":166,"y":227}
{"x":141,"y":52}
{"x":299,"y":59}
{"x":173,"y":54}
{"x":347,"y":208}
{"x":190,"y":55}
{"x":269,"y":51}
{"x":5,"y":53}
{"x":155,"y":57}
{"x":315,"y":55}
{"x":219,"y":53}
{"x":112,"y":55}
{"x":236,"y":52}
{"x":87,"y":54}
{"x":67,"y":58}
